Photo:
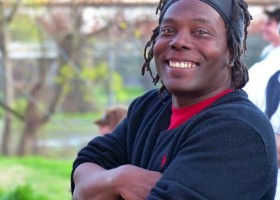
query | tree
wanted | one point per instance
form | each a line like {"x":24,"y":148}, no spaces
{"x":70,"y":44}
{"x":64,"y":27}
{"x":5,"y":19}
{"x":35,"y":117}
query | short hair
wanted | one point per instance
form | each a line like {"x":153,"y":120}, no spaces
{"x":274,"y":14}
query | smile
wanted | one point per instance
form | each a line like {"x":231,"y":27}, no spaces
{"x":181,"y":65}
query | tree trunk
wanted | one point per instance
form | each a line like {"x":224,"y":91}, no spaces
{"x":27,"y":142}
{"x":35,"y":117}
{"x":8,"y":83}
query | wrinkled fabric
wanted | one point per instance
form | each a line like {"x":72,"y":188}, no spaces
{"x":225,"y":152}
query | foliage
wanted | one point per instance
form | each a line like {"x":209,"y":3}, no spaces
{"x":98,"y":73}
{"x":102,"y":78}
{"x":22,"y":28}
{"x":36,"y":27}
{"x":133,"y":92}
{"x":66,"y":73}
{"x":20,"y":105}
{"x":34,"y":178}
{"x":22,"y":192}
{"x":123,"y":94}
{"x":117,"y":87}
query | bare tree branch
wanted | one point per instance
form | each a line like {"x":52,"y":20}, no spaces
{"x":13,"y":11}
{"x":12,"y":111}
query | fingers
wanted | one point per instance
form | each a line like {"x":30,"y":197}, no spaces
{"x":135,"y":183}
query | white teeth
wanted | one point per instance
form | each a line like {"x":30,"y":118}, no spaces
{"x":176,"y":64}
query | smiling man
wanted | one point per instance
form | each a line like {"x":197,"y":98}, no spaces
{"x":198,"y":137}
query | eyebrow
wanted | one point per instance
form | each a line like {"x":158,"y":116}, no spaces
{"x":202,"y":20}
{"x":195,"y":19}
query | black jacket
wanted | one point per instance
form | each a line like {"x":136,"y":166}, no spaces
{"x":226,"y":151}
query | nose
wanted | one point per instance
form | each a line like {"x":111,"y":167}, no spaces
{"x":181,"y":41}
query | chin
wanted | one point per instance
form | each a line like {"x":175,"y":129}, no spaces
{"x":178,"y":91}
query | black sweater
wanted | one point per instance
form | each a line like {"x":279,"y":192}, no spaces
{"x":227,"y":151}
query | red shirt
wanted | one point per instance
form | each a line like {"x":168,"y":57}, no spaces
{"x":180,"y":115}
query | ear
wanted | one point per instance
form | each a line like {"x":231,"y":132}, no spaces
{"x":230,"y":58}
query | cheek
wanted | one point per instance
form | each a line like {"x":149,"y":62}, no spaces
{"x":157,"y":51}
{"x":218,"y":58}
{"x":221,"y":50}
{"x":160,"y":46}
{"x":156,"y":48}
{"x":272,"y":28}
{"x":214,"y":54}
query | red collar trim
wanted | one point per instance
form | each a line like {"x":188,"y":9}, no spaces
{"x":180,"y":115}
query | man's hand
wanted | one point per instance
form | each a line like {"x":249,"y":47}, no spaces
{"x":133,"y":183}
{"x":92,"y":182}
{"x":126,"y":182}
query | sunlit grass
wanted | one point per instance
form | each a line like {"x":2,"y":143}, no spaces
{"x":48,"y":177}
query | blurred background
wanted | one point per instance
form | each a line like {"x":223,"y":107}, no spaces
{"x":62,"y":63}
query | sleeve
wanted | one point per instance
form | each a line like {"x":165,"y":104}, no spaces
{"x":225,"y":159}
{"x":107,"y":151}
{"x":112,"y":150}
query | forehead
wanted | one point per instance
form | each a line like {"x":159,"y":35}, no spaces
{"x":184,"y":9}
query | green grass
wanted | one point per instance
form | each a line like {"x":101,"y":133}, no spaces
{"x":47,"y":178}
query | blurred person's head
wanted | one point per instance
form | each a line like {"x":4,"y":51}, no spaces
{"x":270,"y":30}
{"x":111,"y":118}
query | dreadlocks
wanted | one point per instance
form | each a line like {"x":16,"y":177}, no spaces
{"x":239,"y":72}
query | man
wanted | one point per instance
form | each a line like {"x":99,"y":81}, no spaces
{"x":270,"y":33}
{"x":198,"y":137}
{"x":263,"y":87}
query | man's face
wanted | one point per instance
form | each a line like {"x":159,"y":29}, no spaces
{"x":191,"y":53}
{"x":270,"y":30}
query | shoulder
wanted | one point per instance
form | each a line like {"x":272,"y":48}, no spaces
{"x":274,"y":52}
{"x":236,"y":105}
{"x":260,"y":72}
{"x":242,"y":118}
{"x":237,"y":114}
{"x":256,"y":67}
{"x":234,"y":115}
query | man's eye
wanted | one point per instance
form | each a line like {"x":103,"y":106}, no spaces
{"x":202,"y":32}
{"x":167,"y":31}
